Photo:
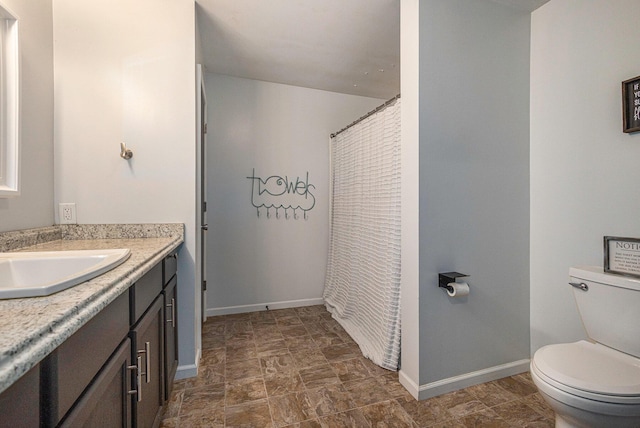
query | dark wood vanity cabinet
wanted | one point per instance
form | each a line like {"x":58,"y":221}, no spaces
{"x":115,"y":371}
{"x":147,"y":336}
{"x":170,"y":295}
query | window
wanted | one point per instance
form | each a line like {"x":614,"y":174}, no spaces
{"x":9,"y":105}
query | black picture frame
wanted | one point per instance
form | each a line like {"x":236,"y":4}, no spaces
{"x":631,"y":105}
{"x":622,"y":256}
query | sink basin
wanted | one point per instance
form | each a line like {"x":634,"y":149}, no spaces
{"x":32,"y":274}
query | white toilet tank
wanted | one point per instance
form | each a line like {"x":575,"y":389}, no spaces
{"x":610,"y":308}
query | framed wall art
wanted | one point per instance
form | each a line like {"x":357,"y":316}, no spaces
{"x":631,"y":105}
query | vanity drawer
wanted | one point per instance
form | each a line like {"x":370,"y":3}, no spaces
{"x":169,"y":267}
{"x":144,"y":292}
{"x":20,"y":404}
{"x":69,"y":369}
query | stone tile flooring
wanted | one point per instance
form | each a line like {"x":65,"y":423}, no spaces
{"x":298,"y":368}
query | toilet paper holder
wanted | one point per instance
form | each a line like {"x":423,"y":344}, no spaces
{"x":446,"y":277}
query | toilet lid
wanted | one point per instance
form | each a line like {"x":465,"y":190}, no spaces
{"x":591,"y":367}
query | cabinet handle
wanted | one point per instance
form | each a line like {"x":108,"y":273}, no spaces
{"x":147,"y":357}
{"x":172,"y":305}
{"x":138,"y":390}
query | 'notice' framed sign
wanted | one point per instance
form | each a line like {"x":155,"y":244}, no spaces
{"x":622,"y":256}
{"x":631,"y":105}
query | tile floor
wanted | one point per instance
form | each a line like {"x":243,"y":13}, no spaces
{"x":298,"y":368}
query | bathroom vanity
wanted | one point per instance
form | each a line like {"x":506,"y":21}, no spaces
{"x":103,"y":353}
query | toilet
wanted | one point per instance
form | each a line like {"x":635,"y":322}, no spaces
{"x":596,"y":383}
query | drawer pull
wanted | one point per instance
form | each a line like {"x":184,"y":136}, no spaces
{"x":147,"y":351}
{"x":172,"y":305}
{"x":138,"y":390}
{"x":147,"y":357}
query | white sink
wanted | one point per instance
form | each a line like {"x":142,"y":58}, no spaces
{"x":31,"y":274}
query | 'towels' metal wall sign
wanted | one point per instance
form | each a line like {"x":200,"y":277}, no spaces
{"x":282,"y":193}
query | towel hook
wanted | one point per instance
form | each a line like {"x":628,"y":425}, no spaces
{"x":124,"y":152}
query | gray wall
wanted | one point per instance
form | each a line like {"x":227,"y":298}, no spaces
{"x":474,"y":185}
{"x":34,"y":207}
{"x":278,"y":130}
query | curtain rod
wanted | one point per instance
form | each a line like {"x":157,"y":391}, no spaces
{"x":355,"y":122}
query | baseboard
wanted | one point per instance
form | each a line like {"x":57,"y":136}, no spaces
{"x":455,"y":383}
{"x":188,"y":370}
{"x":408,"y":384}
{"x":212,"y":312}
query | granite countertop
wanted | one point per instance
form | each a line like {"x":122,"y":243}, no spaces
{"x":30,"y":328}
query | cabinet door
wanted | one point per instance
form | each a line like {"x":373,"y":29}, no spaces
{"x":148,"y":351}
{"x":170,"y":335}
{"x":107,"y":402}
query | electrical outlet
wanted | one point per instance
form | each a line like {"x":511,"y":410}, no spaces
{"x":67,"y":213}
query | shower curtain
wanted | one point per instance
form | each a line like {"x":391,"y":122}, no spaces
{"x":362,"y":286}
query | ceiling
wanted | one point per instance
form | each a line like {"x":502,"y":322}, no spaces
{"x":528,"y":5}
{"x":346,"y":46}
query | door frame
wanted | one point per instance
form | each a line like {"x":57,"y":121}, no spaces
{"x":201,"y":180}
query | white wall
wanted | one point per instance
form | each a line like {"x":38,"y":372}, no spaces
{"x":125,"y":72}
{"x":278,"y":130}
{"x":410,"y":185}
{"x":34,"y":206}
{"x":474,"y":184}
{"x":584,"y":169}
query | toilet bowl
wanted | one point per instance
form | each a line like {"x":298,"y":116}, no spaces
{"x":588,"y":384}
{"x":596,"y":383}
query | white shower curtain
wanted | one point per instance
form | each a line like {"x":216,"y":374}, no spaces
{"x":362,"y":287}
